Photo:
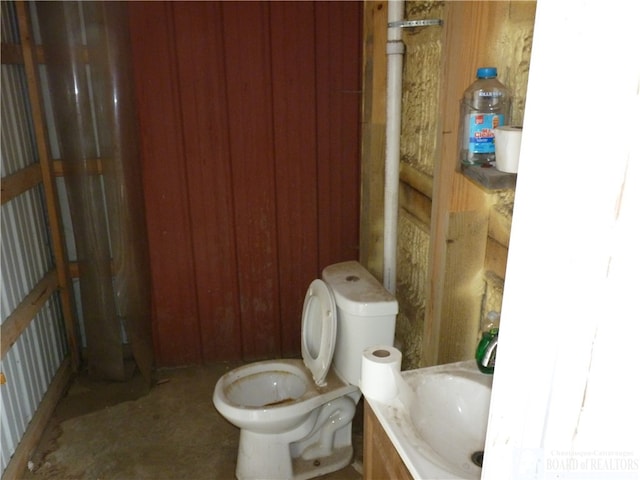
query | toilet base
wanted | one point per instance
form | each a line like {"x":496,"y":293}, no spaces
{"x":281,"y":466}
{"x":263,"y":457}
{"x":305,"y":469}
{"x":320,"y":444}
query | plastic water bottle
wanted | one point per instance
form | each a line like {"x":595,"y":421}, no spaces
{"x":486,"y":104}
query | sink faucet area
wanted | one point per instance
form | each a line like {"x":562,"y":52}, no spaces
{"x":439,"y":426}
{"x":486,"y":351}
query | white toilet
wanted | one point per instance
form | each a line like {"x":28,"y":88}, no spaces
{"x":295,"y":415}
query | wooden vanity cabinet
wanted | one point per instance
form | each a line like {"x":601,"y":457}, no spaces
{"x":381,"y":460}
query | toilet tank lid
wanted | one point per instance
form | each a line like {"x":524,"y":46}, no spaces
{"x":357,"y":291}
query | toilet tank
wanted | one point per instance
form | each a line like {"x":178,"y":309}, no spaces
{"x":366,"y":316}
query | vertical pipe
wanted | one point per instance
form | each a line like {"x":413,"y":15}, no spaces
{"x":395,"y":51}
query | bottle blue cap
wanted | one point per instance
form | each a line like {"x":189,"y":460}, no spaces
{"x":487,"y":72}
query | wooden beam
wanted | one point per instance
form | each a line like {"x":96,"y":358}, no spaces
{"x":48,"y":180}
{"x":500,"y":227}
{"x":374,"y":79}
{"x":456,"y":201}
{"x":19,"y":320}
{"x":27,"y":178}
{"x":11,"y":53}
{"x":463,"y":286}
{"x":33,"y":434}
{"x":19,"y":182}
{"x":91,"y":166}
{"x":416,"y":179}
{"x":74,"y":270}
{"x":496,"y":258}
{"x":415,"y":203}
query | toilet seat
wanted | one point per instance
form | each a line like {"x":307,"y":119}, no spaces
{"x":319,"y":324}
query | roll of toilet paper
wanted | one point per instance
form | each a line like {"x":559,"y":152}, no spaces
{"x":380,"y":376}
{"x":507,"y":144}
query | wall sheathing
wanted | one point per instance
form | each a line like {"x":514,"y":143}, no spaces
{"x":34,"y":346}
{"x":473,"y":251}
{"x":418,"y":153}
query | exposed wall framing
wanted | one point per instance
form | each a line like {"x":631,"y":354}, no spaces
{"x":39,"y":348}
{"x":470,"y":225}
{"x":467,"y":226}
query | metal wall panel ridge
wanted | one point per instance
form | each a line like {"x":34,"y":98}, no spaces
{"x":249,"y":118}
{"x":25,"y":256}
{"x":29,"y":367}
{"x":31,"y":363}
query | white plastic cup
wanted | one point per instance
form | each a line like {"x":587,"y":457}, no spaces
{"x":507,"y":144}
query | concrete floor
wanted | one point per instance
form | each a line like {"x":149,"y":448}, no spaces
{"x":123,"y":431}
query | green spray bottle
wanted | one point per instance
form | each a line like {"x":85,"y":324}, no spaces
{"x":488,"y":345}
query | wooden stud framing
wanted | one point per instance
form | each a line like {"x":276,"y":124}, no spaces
{"x":21,"y":181}
{"x":468,"y":237}
{"x":19,"y":320}
{"x":12,"y":53}
{"x":373,"y":135}
{"x":57,"y":279}
{"x":93,"y":167}
{"x":460,"y":208}
{"x":33,"y":434}
{"x":48,"y":180}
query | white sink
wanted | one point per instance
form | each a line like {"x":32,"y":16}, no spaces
{"x":439,"y":426}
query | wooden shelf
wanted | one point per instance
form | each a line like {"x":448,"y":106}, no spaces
{"x":461,"y":246}
{"x":489,"y":177}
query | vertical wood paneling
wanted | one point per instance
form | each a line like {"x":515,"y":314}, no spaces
{"x":249,"y":115}
{"x":175,"y":323}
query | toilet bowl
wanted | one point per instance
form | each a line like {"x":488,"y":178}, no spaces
{"x":276,"y":404}
{"x":295,"y":415}
{"x":273,"y":396}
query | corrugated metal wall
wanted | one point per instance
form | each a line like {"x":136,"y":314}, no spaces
{"x":249,"y":126}
{"x":31,"y":363}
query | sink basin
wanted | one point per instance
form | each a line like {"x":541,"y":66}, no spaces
{"x":439,"y":425}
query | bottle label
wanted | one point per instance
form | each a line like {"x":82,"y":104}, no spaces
{"x":481,"y":125}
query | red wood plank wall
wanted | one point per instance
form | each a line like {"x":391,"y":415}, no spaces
{"x":249,"y":124}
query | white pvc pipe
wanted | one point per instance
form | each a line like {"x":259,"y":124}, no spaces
{"x":395,"y":51}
